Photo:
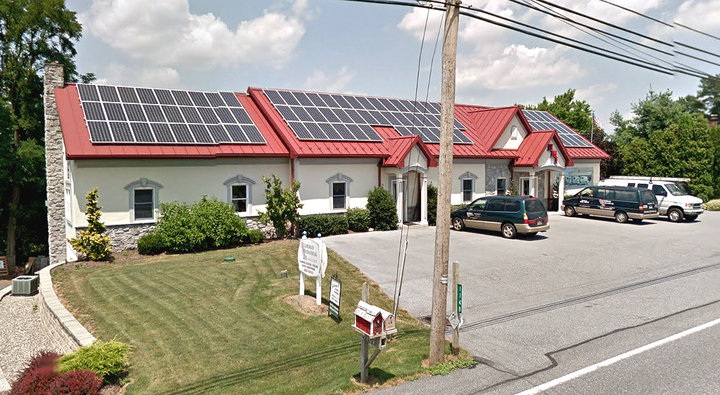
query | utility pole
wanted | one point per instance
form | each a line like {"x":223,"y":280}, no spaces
{"x":442,"y":229}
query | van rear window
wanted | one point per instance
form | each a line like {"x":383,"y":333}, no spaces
{"x":648,"y":196}
{"x":534,"y":206}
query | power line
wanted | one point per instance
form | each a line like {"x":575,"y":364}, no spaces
{"x":697,"y":31}
{"x":638,"y":13}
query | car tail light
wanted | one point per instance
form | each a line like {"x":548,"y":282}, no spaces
{"x":527,"y":221}
{"x":642,"y":207}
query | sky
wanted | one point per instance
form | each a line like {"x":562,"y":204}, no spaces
{"x":374,"y":49}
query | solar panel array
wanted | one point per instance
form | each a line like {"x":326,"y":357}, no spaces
{"x":118,"y":114}
{"x":543,"y":120}
{"x":325,"y":116}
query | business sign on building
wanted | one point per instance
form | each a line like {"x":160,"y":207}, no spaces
{"x":578,"y":177}
{"x":312,"y":262}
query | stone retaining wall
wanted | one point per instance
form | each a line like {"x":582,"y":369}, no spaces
{"x":52,"y":327}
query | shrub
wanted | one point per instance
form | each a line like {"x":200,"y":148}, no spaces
{"x":91,"y":243}
{"x":37,"y":377}
{"x":713,"y":205}
{"x":207,"y":224}
{"x":151,"y":243}
{"x":432,"y":204}
{"x":82,"y":382}
{"x":358,"y":219}
{"x":255,"y":236}
{"x":325,"y":224}
{"x":282,"y":204}
{"x":383,"y":213}
{"x":108,"y":360}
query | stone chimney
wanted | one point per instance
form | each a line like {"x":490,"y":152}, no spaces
{"x":713,"y":120}
{"x":54,"y":157}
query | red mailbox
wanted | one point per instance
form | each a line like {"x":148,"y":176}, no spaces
{"x":369,"y":319}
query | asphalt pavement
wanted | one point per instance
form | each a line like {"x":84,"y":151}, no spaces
{"x":536,"y":309}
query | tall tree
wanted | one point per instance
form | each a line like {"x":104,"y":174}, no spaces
{"x":32,"y":32}
{"x":709,"y":94}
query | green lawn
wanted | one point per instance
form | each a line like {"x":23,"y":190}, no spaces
{"x":199,"y":325}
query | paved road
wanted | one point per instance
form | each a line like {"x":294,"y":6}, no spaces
{"x":588,"y":290}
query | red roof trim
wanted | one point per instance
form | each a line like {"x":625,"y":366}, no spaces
{"x":401,"y":146}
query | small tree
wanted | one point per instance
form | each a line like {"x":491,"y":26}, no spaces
{"x":383,"y":213}
{"x":91,"y":242}
{"x":282,"y":204}
{"x":431,"y":204}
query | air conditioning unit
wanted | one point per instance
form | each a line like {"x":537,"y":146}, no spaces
{"x":25,"y":285}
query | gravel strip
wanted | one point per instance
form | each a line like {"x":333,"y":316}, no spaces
{"x":23,"y":333}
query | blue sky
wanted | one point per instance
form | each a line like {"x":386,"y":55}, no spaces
{"x":339,"y":46}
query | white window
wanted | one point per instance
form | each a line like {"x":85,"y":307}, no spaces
{"x":239,"y":193}
{"x":514,"y":134}
{"x":467,"y":189}
{"x":144,"y":199}
{"x":501,"y":186}
{"x":339,"y":190}
{"x":238,"y":197}
{"x":339,"y":197}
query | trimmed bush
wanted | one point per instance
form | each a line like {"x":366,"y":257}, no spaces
{"x":713,"y":205}
{"x":325,"y":224}
{"x":255,"y":236}
{"x":151,"y":244}
{"x":358,"y":219}
{"x":37,"y":377}
{"x":431,"y":204}
{"x":108,"y":360}
{"x":83,"y":382}
{"x":91,"y":243}
{"x":383,"y":213}
{"x":207,"y":224}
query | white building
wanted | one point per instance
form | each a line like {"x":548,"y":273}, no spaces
{"x":142,"y":146}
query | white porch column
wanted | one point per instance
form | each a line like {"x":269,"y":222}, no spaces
{"x":532,"y":183}
{"x":423,"y":200}
{"x":399,"y":188}
{"x":561,"y":190}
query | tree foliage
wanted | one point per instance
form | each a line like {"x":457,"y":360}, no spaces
{"x":709,"y":95}
{"x":282,"y":204}
{"x":91,"y":243}
{"x":383,"y":213}
{"x":32,"y":32}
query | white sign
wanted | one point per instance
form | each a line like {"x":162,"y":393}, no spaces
{"x":312,"y":262}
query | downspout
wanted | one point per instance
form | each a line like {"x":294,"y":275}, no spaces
{"x":512,"y":174}
{"x":292,"y":171}
{"x":380,"y":174}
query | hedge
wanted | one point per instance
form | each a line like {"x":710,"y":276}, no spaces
{"x":324,"y":224}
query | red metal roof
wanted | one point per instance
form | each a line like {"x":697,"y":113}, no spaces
{"x":400,"y":147}
{"x":535,"y":144}
{"x":305,"y":148}
{"x":587,"y":153}
{"x":78,"y":145}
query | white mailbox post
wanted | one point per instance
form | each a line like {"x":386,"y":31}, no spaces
{"x":312,"y":262}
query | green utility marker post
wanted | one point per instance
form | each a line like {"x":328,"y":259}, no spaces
{"x":459,"y":299}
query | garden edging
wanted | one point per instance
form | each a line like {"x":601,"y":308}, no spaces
{"x":79,"y":335}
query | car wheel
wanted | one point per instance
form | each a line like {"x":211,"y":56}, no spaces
{"x":637,"y":220}
{"x":570,"y":211}
{"x":458,"y":223}
{"x":509,"y":231}
{"x":621,"y":217}
{"x":675,"y":215}
{"x":691,"y":218}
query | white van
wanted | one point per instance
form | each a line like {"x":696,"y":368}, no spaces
{"x":673,"y":200}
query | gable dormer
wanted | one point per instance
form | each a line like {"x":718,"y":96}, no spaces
{"x":513,"y":135}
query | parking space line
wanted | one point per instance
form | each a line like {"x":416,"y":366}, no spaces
{"x":608,"y":362}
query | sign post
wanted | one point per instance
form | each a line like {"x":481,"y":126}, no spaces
{"x":334,"y":300}
{"x":457,"y":298}
{"x":312,"y":262}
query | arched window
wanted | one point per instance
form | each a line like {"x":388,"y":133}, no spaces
{"x":339,"y":185}
{"x":239,"y":193}
{"x":144,"y":200}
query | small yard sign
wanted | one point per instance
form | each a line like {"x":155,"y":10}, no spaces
{"x":334,"y":305}
{"x":312,"y":262}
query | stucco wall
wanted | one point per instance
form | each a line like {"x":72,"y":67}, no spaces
{"x":504,"y":142}
{"x":183,"y":180}
{"x":315,"y":190}
{"x":460,"y":167}
{"x":546,"y":159}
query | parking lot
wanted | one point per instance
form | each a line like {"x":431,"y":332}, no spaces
{"x":589,"y":287}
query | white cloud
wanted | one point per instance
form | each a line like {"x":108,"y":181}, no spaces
{"x":165,"y":33}
{"x":320,"y":81}
{"x":517,"y":67}
{"x":702,"y":15}
{"x":595,"y":94}
{"x":160,"y":77}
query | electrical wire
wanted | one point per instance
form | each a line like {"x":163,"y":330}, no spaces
{"x":638,"y":13}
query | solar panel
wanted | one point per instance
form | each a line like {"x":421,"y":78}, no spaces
{"x":543,"y":120}
{"x":118,"y":114}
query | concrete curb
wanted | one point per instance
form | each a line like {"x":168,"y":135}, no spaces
{"x":5,"y":291}
{"x":68,"y":322}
